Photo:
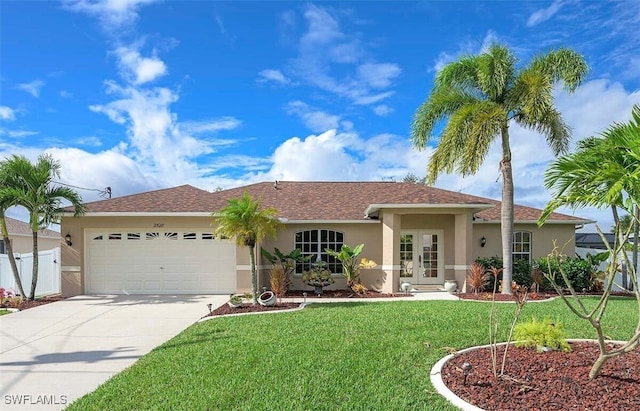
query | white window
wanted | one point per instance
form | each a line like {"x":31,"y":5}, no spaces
{"x":521,"y":249}
{"x":313,"y":243}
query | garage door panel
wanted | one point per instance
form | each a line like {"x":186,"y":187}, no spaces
{"x":139,"y":261}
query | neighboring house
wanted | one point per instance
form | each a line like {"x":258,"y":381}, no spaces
{"x":21,"y":238}
{"x":593,"y":240}
{"x":161,"y":242}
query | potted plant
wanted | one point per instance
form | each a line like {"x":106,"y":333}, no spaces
{"x":318,"y":276}
{"x":235,"y":301}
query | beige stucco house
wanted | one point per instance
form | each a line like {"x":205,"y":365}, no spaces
{"x":161,"y":242}
{"x":21,"y":238}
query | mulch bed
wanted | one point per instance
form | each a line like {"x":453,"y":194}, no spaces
{"x":343,"y":294}
{"x":26,"y":304}
{"x":547,"y":381}
{"x":224,"y":309}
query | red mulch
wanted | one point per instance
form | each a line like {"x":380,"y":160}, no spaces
{"x":26,"y":304}
{"x":343,"y":294}
{"x":547,"y":381}
{"x":224,"y":309}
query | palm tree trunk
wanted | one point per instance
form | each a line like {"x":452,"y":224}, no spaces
{"x":506,"y":216}
{"x":636,"y":233}
{"x":34,"y":278}
{"x":12,"y":259}
{"x":254,"y":275}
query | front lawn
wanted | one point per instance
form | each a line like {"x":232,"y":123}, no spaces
{"x":351,"y":356}
{"x":3,"y":312}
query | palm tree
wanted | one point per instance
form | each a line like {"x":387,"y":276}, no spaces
{"x":603,"y":172}
{"x":243,"y":219}
{"x":479,"y":97}
{"x":6,"y":201}
{"x":31,"y":186}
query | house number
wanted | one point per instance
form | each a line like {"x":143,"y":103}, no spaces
{"x":158,"y":225}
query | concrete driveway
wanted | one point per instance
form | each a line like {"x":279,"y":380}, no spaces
{"x":53,"y":354}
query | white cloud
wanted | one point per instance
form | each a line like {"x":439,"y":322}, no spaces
{"x":89,"y":141}
{"x":542,"y":15}
{"x":65,"y":94}
{"x":21,"y":133}
{"x":464,"y":49}
{"x":378,"y":75}
{"x":210,"y":126}
{"x":137,"y":69}
{"x":32,"y":88}
{"x":96,"y":171}
{"x":7,"y":113}
{"x":114,"y":15}
{"x":382,"y":110}
{"x":274,"y":76}
{"x":315,"y":120}
{"x":324,"y":50}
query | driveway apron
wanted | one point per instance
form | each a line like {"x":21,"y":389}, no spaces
{"x":53,"y":354}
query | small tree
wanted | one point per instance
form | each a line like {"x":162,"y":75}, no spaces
{"x":243,"y":219}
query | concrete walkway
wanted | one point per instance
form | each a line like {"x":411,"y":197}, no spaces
{"x":53,"y":354}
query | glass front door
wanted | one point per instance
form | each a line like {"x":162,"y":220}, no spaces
{"x":421,"y":260}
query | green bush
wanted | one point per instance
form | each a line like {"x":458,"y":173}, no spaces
{"x":579,"y":272}
{"x":541,"y":334}
{"x":521,"y":270}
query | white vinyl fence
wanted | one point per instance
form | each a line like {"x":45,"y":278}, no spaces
{"x":617,"y":281}
{"x":48,"y":272}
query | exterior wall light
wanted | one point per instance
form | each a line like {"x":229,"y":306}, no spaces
{"x":483,"y":241}
{"x":68,"y":239}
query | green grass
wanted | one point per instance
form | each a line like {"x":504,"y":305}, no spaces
{"x":3,"y":312}
{"x":352,"y":356}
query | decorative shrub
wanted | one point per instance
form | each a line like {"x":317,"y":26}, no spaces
{"x":359,"y":288}
{"x":319,"y":275}
{"x":477,"y":277}
{"x":279,"y":281}
{"x":541,"y":334}
{"x":580,"y":273}
{"x":521,"y":269}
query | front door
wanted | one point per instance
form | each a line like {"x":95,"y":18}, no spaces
{"x":421,"y":257}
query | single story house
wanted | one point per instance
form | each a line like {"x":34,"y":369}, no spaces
{"x":161,"y":242}
{"x":21,"y":238}
{"x":593,"y":240}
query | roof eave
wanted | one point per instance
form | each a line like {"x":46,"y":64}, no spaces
{"x":143,"y":214}
{"x":372,"y":208}
{"x":574,"y":222}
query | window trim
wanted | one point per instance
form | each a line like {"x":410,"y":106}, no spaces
{"x":333,"y":264}
{"x":522,"y":242}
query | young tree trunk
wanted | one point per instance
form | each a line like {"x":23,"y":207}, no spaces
{"x":506,"y":219}
{"x":254,"y":274}
{"x":12,"y":259}
{"x":636,"y":233}
{"x":34,"y":279}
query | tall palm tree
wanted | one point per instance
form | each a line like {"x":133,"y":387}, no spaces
{"x":243,"y":219}
{"x":479,"y":97}
{"x":31,"y":186}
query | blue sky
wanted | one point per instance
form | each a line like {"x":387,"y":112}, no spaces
{"x":144,"y":94}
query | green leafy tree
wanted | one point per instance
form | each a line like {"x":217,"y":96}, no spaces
{"x":32,"y":186}
{"x":479,"y":97}
{"x":243,"y":219}
{"x":603,"y":172}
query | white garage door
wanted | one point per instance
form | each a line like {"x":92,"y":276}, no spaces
{"x":130,"y":261}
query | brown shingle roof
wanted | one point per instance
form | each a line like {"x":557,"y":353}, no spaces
{"x":181,"y":199}
{"x":312,"y":200}
{"x":17,"y":227}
